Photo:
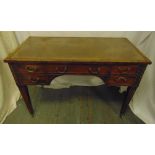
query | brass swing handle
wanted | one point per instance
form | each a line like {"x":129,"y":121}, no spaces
{"x":31,"y":68}
{"x":61,"y":71}
{"x":34,"y":79}
{"x":94,"y":70}
{"x":121,"y":79}
{"x":124,"y":69}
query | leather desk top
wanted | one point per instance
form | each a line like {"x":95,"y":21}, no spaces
{"x":78,"y":49}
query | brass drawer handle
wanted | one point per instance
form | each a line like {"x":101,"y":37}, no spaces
{"x":31,"y":68}
{"x":124,"y":70}
{"x":94,"y":70}
{"x":63,"y":71}
{"x":121,"y":79}
{"x":34,"y":79}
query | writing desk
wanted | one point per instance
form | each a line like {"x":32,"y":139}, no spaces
{"x":40,"y":59}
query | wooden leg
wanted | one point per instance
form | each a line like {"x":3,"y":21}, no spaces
{"x":128,"y":96}
{"x":131,"y":90}
{"x":25,"y":94}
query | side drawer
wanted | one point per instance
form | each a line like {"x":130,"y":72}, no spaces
{"x":37,"y":68}
{"x":121,"y":80}
{"x":124,"y":69}
{"x":35,"y":80}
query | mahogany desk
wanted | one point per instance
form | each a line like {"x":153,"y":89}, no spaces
{"x":40,"y":59}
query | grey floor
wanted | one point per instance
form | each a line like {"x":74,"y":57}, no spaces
{"x":76,"y":105}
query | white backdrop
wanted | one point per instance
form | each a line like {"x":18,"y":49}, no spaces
{"x":9,"y":92}
{"x":143,"y":102}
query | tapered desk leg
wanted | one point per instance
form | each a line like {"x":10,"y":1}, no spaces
{"x":131,"y":90}
{"x":25,"y":94}
{"x":128,"y":96}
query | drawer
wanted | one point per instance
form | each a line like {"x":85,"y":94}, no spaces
{"x":23,"y":70}
{"x":35,"y":68}
{"x":88,"y":69}
{"x":131,"y":69}
{"x":120,"y":81}
{"x":35,"y":80}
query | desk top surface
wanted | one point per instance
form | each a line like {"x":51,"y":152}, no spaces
{"x":77,"y":49}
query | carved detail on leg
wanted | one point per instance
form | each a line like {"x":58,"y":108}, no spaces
{"x":25,"y":94}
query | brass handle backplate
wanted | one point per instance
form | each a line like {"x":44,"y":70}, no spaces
{"x":94,"y":70}
{"x":34,"y":79}
{"x":64,"y":70}
{"x":124,"y":69}
{"x":31,"y":68}
{"x":120,"y":79}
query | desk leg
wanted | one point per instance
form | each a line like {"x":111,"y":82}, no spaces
{"x":25,"y":94}
{"x":128,"y":96}
{"x":131,"y":90}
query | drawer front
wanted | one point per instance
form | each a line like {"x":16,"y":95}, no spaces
{"x":35,"y":80}
{"x":86,"y":69}
{"x":23,"y":70}
{"x":35,"y":68}
{"x":44,"y":73}
{"x":131,"y":69}
{"x":120,"y":81}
